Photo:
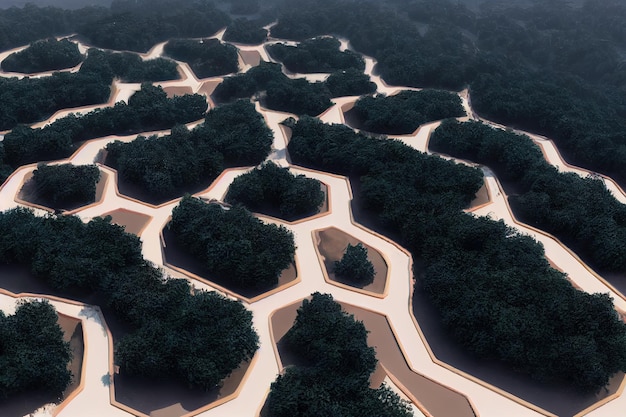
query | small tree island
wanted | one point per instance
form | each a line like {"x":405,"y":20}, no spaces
{"x":354,"y":266}
{"x":43,"y":55}
{"x":66,"y":185}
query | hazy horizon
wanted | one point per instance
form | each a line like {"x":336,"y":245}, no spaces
{"x":66,"y":4}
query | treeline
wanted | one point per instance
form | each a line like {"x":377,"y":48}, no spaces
{"x":404,"y":112}
{"x":207,"y":57}
{"x":167,"y":167}
{"x":33,"y":354}
{"x":334,"y":367}
{"x":232,"y":244}
{"x":147,"y":109}
{"x":245,"y":31}
{"x":129,"y":67}
{"x":43,"y":55}
{"x":273,"y":190}
{"x":320,"y":54}
{"x":174,"y":332}
{"x":65,"y":185}
{"x":493,"y":287}
{"x":298,"y":96}
{"x":581,"y":212}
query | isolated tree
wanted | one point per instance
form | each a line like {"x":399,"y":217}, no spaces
{"x":354,"y":265}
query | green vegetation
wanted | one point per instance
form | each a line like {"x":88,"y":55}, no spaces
{"x":350,"y":82}
{"x":493,"y":287}
{"x":245,"y":31}
{"x":33,"y":355}
{"x":279,"y":91}
{"x":139,"y":25}
{"x":581,"y":212}
{"x":273,"y":190}
{"x":316,"y":55}
{"x":337,"y":364}
{"x":354,"y":265}
{"x":406,"y":111}
{"x":43,"y":55}
{"x":66,"y":185}
{"x":167,"y":167}
{"x":232,"y":244}
{"x":129,"y":67}
{"x":207,"y":57}
{"x":195,"y":337}
{"x":147,"y":109}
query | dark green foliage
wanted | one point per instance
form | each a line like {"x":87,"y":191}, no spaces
{"x":405,"y":111}
{"x":59,"y":186}
{"x":33,"y":355}
{"x":493,"y":287}
{"x":244,"y":6}
{"x":354,"y":265}
{"x":147,"y":109}
{"x":129,"y":67}
{"x":232,"y":134}
{"x":232,"y":244}
{"x":316,"y":55}
{"x":280,"y":92}
{"x":271,"y":189}
{"x":245,"y":31}
{"x":192,"y":336}
{"x":43,"y":55}
{"x":334,"y":379}
{"x":139,"y":25}
{"x":28,"y":100}
{"x":207,"y":57}
{"x":350,"y":82}
{"x":581,"y":212}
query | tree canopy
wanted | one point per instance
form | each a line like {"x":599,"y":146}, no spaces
{"x":206,"y":57}
{"x":354,"y":265}
{"x":66,"y":185}
{"x":233,"y":244}
{"x":245,"y":31}
{"x":43,"y":55}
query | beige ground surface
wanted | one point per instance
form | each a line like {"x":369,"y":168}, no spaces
{"x":94,"y":400}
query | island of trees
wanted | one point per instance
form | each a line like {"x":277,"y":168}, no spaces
{"x":507,"y":303}
{"x":129,"y":67}
{"x":195,"y":337}
{"x":206,"y":57}
{"x":245,"y":31}
{"x":334,"y":367}
{"x":320,"y":54}
{"x":33,"y":355}
{"x":273,"y":190}
{"x":232,"y":135}
{"x":232,"y":244}
{"x":65,"y":185}
{"x":43,"y":55}
{"x":354,"y":266}
{"x":404,"y":112}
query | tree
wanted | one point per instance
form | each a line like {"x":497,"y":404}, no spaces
{"x":354,"y":265}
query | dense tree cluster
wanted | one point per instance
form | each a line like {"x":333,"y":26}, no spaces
{"x":493,"y":287}
{"x":280,"y":92}
{"x":33,"y":354}
{"x":66,"y":185}
{"x":354,"y":266}
{"x":147,"y":109}
{"x":43,"y":55}
{"x":29,"y":100}
{"x":581,"y":212}
{"x":232,"y":244}
{"x":166,"y":167}
{"x":245,"y":31}
{"x":333,"y":379}
{"x":137,"y":25}
{"x":320,"y":54}
{"x":406,"y":111}
{"x":206,"y":57}
{"x":196,"y":337}
{"x":350,"y":82}
{"x":129,"y":67}
{"x":273,"y":190}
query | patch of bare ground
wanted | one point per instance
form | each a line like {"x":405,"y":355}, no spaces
{"x":177,"y":91}
{"x":132,"y":221}
{"x":252,"y":58}
{"x":331,"y":245}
